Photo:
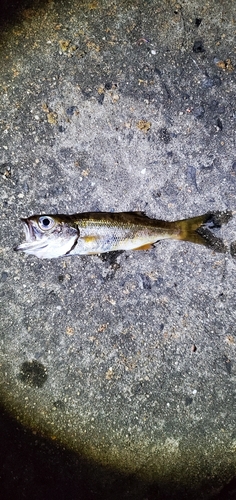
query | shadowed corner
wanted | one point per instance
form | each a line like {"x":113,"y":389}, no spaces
{"x":13,"y":10}
{"x":9,"y":10}
{"x":32,"y":466}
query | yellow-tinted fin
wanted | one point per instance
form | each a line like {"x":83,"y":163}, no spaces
{"x":196,"y":230}
{"x":147,"y":246}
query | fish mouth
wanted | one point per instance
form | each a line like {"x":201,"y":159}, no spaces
{"x":31,"y":240}
{"x":29,"y":230}
{"x":34,"y":245}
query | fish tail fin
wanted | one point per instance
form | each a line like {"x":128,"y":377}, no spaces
{"x":197,"y":230}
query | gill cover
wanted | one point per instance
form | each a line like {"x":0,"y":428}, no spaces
{"x":48,"y":238}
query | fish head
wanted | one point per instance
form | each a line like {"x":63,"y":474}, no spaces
{"x":48,"y":236}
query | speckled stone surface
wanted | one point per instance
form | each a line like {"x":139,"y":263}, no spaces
{"x":127,"y":360}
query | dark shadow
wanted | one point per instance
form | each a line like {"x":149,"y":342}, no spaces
{"x":228,"y":492}
{"x":35,"y":468}
{"x":10,"y":10}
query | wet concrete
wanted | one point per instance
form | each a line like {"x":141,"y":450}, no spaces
{"x":127,"y":361}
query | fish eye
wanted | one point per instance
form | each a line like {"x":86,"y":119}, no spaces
{"x":46,"y":222}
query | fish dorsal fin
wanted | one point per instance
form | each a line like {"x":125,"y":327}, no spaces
{"x":138,"y":212}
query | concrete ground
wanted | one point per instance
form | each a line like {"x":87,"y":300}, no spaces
{"x":125,"y":361}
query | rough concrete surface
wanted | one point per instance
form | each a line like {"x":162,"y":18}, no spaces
{"x":128,"y":360}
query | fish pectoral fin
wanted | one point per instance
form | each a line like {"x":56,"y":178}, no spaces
{"x":147,"y":246}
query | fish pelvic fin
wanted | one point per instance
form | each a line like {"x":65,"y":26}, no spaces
{"x":197,"y":230}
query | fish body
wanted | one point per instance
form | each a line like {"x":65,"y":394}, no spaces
{"x":88,"y":233}
{"x":105,"y":232}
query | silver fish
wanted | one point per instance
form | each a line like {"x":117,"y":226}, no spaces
{"x":52,"y":236}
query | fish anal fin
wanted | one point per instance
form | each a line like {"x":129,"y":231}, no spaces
{"x":147,"y":246}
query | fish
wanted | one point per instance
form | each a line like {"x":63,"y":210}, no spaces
{"x":89,"y":233}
